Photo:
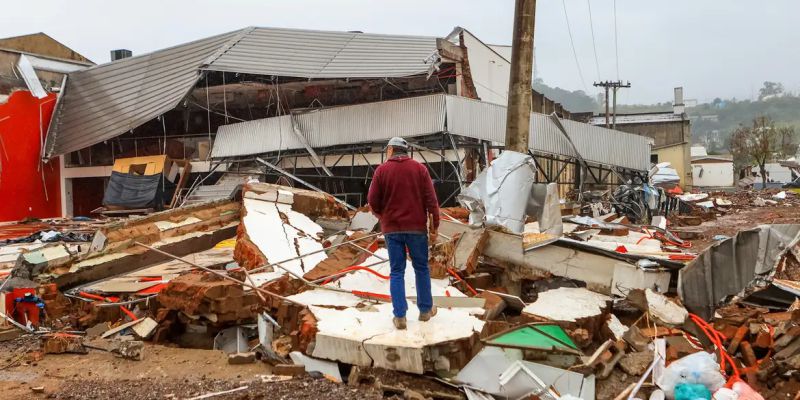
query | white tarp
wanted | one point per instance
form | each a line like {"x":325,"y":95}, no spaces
{"x":500,"y":194}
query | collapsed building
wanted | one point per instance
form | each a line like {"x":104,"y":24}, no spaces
{"x":319,"y":111}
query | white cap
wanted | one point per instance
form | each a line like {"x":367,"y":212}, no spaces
{"x":398,"y":142}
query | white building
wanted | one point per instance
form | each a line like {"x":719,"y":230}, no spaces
{"x":712,"y":171}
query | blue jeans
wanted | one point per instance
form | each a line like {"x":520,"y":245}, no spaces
{"x":417,"y":245}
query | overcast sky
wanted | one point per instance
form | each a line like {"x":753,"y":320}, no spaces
{"x":714,"y":48}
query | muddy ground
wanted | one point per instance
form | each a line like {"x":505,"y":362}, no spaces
{"x":165,"y":372}
{"x":731,"y":223}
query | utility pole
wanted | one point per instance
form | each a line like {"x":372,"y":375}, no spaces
{"x":614,"y":85}
{"x":518,"y":117}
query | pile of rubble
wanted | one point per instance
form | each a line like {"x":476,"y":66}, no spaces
{"x":700,"y":207}
{"x":291,"y":278}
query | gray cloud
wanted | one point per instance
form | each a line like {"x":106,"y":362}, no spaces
{"x":714,"y":48}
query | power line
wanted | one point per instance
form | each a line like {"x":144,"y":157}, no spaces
{"x":594,"y":43}
{"x":613,"y":86}
{"x":572,"y":43}
{"x":616,"y":42}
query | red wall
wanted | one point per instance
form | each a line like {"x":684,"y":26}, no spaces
{"x":22,"y":192}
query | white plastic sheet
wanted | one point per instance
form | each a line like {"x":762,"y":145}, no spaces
{"x":500,"y":194}
{"x":664,"y":175}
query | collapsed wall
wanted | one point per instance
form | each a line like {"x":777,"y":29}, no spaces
{"x":346,"y":317}
{"x":114,"y":251}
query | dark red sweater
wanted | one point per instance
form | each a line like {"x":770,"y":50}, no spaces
{"x":402,"y":196}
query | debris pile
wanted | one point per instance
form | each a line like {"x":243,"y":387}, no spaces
{"x":292,"y":278}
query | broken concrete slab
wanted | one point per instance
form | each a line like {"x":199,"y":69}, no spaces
{"x":375,"y":288}
{"x":616,"y":327}
{"x":594,"y":269}
{"x":660,"y":307}
{"x":328,"y":369}
{"x":468,"y":249}
{"x":168,"y":224}
{"x":144,"y":329}
{"x":584,"y":318}
{"x":582,"y":304}
{"x":514,"y":302}
{"x":124,"y":257}
{"x":630,"y":277}
{"x":363,"y":221}
{"x":307,"y":202}
{"x":31,"y":264}
{"x":493,"y":304}
{"x":267,"y":235}
{"x":367,"y":337}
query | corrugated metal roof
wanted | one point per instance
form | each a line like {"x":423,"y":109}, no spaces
{"x":104,"y":101}
{"x":325,"y":54}
{"x":426,"y":115}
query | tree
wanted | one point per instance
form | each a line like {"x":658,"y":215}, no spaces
{"x":574,"y":101}
{"x":760,"y":143}
{"x":770,"y":89}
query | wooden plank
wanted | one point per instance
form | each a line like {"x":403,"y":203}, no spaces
{"x":120,"y":328}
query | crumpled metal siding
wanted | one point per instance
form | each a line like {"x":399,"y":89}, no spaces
{"x":324,"y":54}
{"x":476,"y":119}
{"x":729,"y":266}
{"x":608,"y":146}
{"x":426,"y":115}
{"x":102,"y":102}
{"x":487,"y":121}
{"x":373,"y":121}
{"x":253,"y":137}
{"x":334,"y":126}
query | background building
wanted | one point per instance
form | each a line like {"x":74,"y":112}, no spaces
{"x":713,"y":171}
{"x":30,"y":188}
{"x":671,"y":133}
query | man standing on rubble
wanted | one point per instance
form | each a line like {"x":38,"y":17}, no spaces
{"x":402,"y":197}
